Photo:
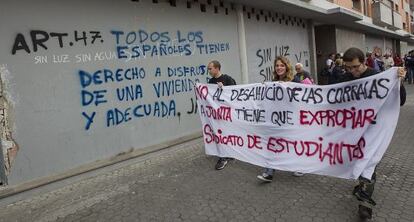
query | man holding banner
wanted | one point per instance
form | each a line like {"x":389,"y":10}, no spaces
{"x":354,"y":61}
{"x":214,"y":69}
{"x":340,"y":130}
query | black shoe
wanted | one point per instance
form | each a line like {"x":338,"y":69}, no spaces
{"x":361,"y":195}
{"x":221,"y":163}
{"x":265,"y":177}
{"x":364,"y":212}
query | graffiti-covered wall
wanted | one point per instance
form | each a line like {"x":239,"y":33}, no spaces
{"x":270,"y":34}
{"x":86,"y":80}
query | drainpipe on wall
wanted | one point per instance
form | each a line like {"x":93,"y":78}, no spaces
{"x":242,"y":45}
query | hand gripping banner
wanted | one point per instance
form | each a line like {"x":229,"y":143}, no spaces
{"x":340,"y":130}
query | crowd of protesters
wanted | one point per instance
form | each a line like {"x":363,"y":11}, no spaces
{"x":334,"y":70}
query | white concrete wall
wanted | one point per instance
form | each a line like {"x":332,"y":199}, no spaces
{"x":384,"y":44}
{"x":47,"y":114}
{"x":408,"y":48}
{"x":404,"y":48}
{"x":389,"y":48}
{"x":346,"y":39}
{"x":323,"y":4}
{"x":282,"y":35}
{"x":374,"y":42}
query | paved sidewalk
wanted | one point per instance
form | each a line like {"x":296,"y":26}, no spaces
{"x":180,"y":184}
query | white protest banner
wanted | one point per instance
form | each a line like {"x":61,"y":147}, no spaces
{"x":340,"y":130}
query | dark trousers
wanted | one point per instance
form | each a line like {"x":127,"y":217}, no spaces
{"x":410,"y":74}
{"x":364,"y":190}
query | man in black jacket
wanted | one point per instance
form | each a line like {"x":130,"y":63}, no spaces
{"x":354,"y":63}
{"x":409,"y":64}
{"x":222,"y":80}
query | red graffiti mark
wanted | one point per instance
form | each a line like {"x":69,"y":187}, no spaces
{"x":341,"y":117}
{"x":201,"y":92}
{"x":211,"y":137}
{"x":221,"y":113}
{"x":333,"y":153}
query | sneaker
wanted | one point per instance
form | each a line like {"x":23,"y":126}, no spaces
{"x":221,"y":163}
{"x":364,"y":212}
{"x":298,"y":174}
{"x":265,"y":177}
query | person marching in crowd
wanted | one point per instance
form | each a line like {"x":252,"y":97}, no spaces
{"x":378,"y":62}
{"x":354,"y":63}
{"x":330,"y":62}
{"x":369,"y":60}
{"x":301,"y":74}
{"x":221,"y":80}
{"x":282,"y":72}
{"x":397,"y":60}
{"x":409,"y":64}
{"x":388,"y":61}
{"x":337,"y":72}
